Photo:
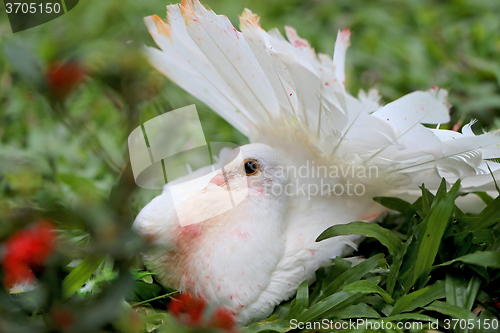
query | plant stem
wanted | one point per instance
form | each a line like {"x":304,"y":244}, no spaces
{"x":157,"y":298}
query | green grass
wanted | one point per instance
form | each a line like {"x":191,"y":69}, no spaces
{"x":67,"y":161}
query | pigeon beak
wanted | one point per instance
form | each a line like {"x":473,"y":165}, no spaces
{"x":218,"y":180}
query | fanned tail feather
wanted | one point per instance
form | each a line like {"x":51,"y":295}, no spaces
{"x":253,"y":78}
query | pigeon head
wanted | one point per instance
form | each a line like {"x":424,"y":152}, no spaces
{"x":256,"y":167}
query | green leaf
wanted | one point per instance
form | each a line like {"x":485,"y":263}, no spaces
{"x":455,"y":289}
{"x":461,"y":293}
{"x":394,"y":203}
{"x":353,"y":274}
{"x":157,"y":320}
{"x":280,"y":311}
{"x":409,"y":316}
{"x":323,"y":306}
{"x":142,"y":275}
{"x":495,"y":247}
{"x":278,"y":325}
{"x":294,"y":311}
{"x":427,"y":199}
{"x":361,"y":310}
{"x":460,"y":236}
{"x":472,"y":290}
{"x":354,"y":299}
{"x":301,"y":301}
{"x":435,"y":225}
{"x":406,"y":276}
{"x":482,"y":272}
{"x":303,"y":293}
{"x":493,"y":176}
{"x":481,"y":258}
{"x":487,"y":199}
{"x":384,"y":236}
{"x":486,"y":236}
{"x":419,"y":298}
{"x":367,"y":287}
{"x":440,"y":194}
{"x":80,"y":274}
{"x":488,"y":217}
{"x":320,"y":278}
{"x":450,"y":310}
{"x":395,"y":267}
{"x":143,"y":291}
{"x":340,"y":265}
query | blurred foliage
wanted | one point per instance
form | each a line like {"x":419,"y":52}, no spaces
{"x":63,"y":154}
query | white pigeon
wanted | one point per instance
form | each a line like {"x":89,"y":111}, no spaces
{"x":337,"y":153}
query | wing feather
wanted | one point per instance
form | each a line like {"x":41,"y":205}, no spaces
{"x":255,"y":78}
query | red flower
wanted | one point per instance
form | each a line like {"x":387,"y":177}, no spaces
{"x":187,"y":309}
{"x":64,"y":77}
{"x":223,"y":318}
{"x":26,"y":251}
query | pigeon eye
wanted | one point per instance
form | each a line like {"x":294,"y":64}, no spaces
{"x":252,"y":167}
